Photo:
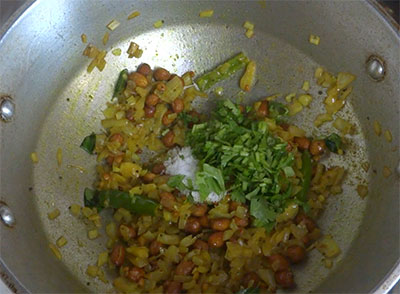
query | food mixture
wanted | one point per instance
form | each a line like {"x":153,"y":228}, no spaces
{"x":221,"y":202}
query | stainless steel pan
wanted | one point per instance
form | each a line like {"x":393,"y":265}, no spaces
{"x":57,"y":103}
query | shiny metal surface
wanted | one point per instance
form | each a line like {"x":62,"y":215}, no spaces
{"x":6,"y":215}
{"x":7,"y":109}
{"x":65,"y":104}
{"x":375,"y":67}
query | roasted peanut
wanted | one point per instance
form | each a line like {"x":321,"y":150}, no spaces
{"x":302,"y":142}
{"x":117,"y":137}
{"x":262,"y":111}
{"x":200,"y":244}
{"x":152,"y":100}
{"x":160,"y":87}
{"x":158,"y":168}
{"x":308,"y":222}
{"x":135,"y":274}
{"x":296,"y":253}
{"x":168,"y":139}
{"x":220,"y":224}
{"x":148,"y":178}
{"x":118,"y":255}
{"x":184,"y":268}
{"x":199,"y":210}
{"x":284,"y":279}
{"x":139,"y":79}
{"x":168,"y":201}
{"x":155,"y":247}
{"x":317,"y":147}
{"x":216,"y":240}
{"x":161,"y":74}
{"x":127,"y":232}
{"x":278,"y":262}
{"x":192,"y":225}
{"x":144,"y":69}
{"x":166,"y":120}
{"x":241,"y":222}
{"x":204,"y":221}
{"x":129,"y":114}
{"x":149,"y":111}
{"x":172,"y":287}
{"x":178,"y":105}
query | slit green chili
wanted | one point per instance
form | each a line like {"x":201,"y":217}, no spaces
{"x":222,"y":72}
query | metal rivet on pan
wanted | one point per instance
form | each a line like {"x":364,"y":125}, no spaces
{"x":7,"y":108}
{"x":6,"y":215}
{"x":375,"y":67}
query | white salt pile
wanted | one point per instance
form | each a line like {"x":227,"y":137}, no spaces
{"x":182,"y":162}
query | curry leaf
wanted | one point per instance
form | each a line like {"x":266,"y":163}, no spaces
{"x":89,"y":143}
{"x":333,"y":142}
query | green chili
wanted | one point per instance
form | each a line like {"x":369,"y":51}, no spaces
{"x":222,"y":72}
{"x":306,"y":171}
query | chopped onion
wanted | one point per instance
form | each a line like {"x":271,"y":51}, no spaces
{"x":328,"y":246}
{"x":105,"y":38}
{"x":305,"y":99}
{"x":290,"y":97}
{"x":116,"y":52}
{"x":386,"y":172}
{"x":343,"y":125}
{"x":34,"y":157}
{"x":248,"y":25}
{"x":134,"y":14}
{"x":206,"y":13}
{"x":314,"y":39}
{"x":362,"y":191}
{"x":388,"y":136}
{"x":158,"y":24}
{"x":344,"y":79}
{"x":59,"y":156}
{"x":377,"y":128}
{"x":61,"y":241}
{"x":249,"y":33}
{"x":306,"y":86}
{"x":55,"y":251}
{"x":295,"y":108}
{"x":113,"y":25}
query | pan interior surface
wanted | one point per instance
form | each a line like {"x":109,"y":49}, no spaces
{"x":66,"y":103}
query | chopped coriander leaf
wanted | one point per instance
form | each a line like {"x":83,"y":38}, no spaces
{"x":209,"y":180}
{"x":89,"y":143}
{"x":188,"y":119}
{"x":177,"y":182}
{"x":253,"y":164}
